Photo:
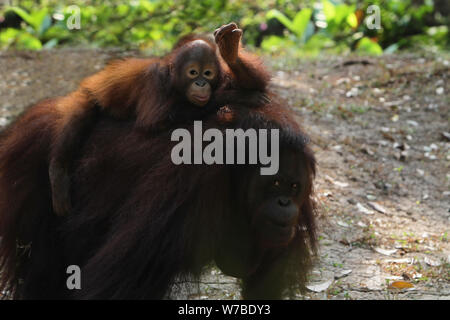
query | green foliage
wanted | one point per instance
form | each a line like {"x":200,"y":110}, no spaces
{"x":365,"y":45}
{"x":401,"y":18}
{"x":30,"y":37}
{"x":39,"y":20}
{"x":328,"y":27}
{"x":19,"y":39}
{"x":298,"y":25}
{"x":311,"y":27}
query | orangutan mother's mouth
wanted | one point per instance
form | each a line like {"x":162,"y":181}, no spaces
{"x":201,"y":98}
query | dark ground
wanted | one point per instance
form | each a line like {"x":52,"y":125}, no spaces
{"x":380,"y":130}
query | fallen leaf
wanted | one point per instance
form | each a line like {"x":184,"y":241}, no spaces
{"x":377,"y":91}
{"x":446,"y":135}
{"x":336,"y":183}
{"x":371,"y":197}
{"x":401,"y":285}
{"x":387,"y":136}
{"x":367,"y":150}
{"x":352,"y":93}
{"x":386,"y":252}
{"x":343,"y":273}
{"x":363,"y":209}
{"x":342,"y":80}
{"x":362,"y":224}
{"x":404,"y":260}
{"x":327,"y":194}
{"x":341,"y":184}
{"x":394,"y":278}
{"x":431,"y":262}
{"x":412,"y":123}
{"x":393,"y":103}
{"x":320,"y":286}
{"x":377,"y":207}
{"x":342,"y":224}
{"x":430,"y":156}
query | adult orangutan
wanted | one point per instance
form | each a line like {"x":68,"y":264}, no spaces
{"x":139,"y":221}
{"x":189,"y":83}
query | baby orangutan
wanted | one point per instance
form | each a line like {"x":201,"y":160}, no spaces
{"x":190,"y":82}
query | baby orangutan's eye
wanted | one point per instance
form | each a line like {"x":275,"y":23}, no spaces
{"x":192,"y":73}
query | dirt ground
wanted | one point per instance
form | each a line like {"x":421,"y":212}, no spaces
{"x":380,"y":130}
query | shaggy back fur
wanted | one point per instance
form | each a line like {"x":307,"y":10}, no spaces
{"x":139,"y":221}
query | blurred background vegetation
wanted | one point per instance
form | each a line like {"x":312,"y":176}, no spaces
{"x":303,"y":28}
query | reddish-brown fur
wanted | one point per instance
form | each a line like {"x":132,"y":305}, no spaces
{"x":139,"y":220}
{"x":138,"y":87}
{"x":151,"y":91}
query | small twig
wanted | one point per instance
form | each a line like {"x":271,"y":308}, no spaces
{"x":352,"y":62}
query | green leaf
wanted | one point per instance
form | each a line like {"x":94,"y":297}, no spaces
{"x":367,"y":46}
{"x":26,"y":41}
{"x":19,"y":39}
{"x":156,"y":35}
{"x":280,"y":17}
{"x":341,"y":12}
{"x":39,"y":18}
{"x":45,"y":24}
{"x":300,"y":22}
{"x":392,"y":48}
{"x":309,"y":32}
{"x":271,"y":43}
{"x":7,"y":37}
{"x":21,"y":13}
{"x":148,"y":6}
{"x":316,"y":44}
{"x":328,"y":10}
{"x":50,"y":44}
{"x":57,"y":31}
{"x":275,"y":43}
{"x":123,"y":9}
{"x":352,"y":20}
{"x":319,"y":41}
{"x":298,"y":25}
{"x":40,"y":21}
